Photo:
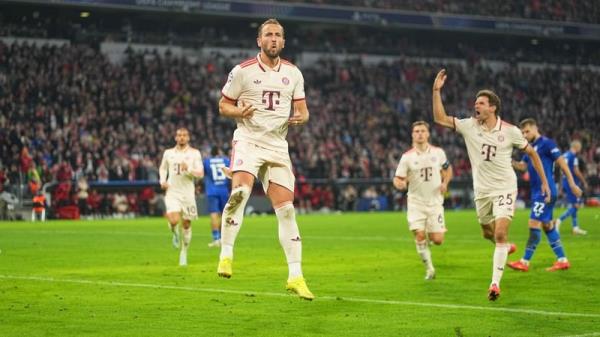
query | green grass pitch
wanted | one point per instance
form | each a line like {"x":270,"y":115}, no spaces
{"x":120,"y":278}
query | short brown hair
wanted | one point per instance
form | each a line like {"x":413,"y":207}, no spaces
{"x":417,"y":123}
{"x":492,"y":98}
{"x":527,"y":121}
{"x":270,"y":22}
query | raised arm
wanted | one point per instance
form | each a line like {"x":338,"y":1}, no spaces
{"x":539,"y":168}
{"x":562,"y":163}
{"x":439,"y":113}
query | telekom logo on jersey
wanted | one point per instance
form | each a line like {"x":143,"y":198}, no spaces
{"x":267,"y":98}
{"x":488,"y":151}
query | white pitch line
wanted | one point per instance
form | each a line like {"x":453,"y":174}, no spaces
{"x":328,"y":298}
{"x":274,"y":236}
{"x":591,"y":334}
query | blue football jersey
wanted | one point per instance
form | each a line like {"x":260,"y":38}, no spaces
{"x":572,"y":161}
{"x":549,"y":153}
{"x":215,"y":181}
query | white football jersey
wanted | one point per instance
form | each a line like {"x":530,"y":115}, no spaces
{"x":271,"y":91}
{"x":181,"y":183}
{"x":490,"y":153}
{"x":422,"y":170}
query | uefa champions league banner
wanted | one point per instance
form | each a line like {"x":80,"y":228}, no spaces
{"x":377,"y":17}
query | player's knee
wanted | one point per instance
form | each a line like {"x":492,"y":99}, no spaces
{"x":488,"y":234}
{"x":186,"y":224}
{"x":437,"y":241}
{"x":239,"y":194}
{"x":173,"y":218}
{"x":500,"y":237}
{"x":419,"y":235}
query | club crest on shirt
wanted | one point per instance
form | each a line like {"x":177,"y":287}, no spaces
{"x":239,"y":162}
{"x":500,"y":138}
{"x":285,"y":80}
{"x":433,"y":159}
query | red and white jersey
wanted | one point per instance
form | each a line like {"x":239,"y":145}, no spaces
{"x":422,"y":171}
{"x":271,"y":91}
{"x":490,"y":153}
{"x":180,"y":182}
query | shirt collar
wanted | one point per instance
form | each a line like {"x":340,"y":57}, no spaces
{"x":265,"y":67}
{"x":422,"y":152}
{"x":497,"y":127}
{"x":183,"y":150}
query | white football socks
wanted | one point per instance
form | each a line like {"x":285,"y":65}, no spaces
{"x":187,"y":237}
{"x":424,"y":253}
{"x":231,"y":221}
{"x":289,"y":237}
{"x":500,"y":257}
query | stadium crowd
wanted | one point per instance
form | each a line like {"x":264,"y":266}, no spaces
{"x":69,"y":115}
{"x":330,"y":39}
{"x":556,"y":10}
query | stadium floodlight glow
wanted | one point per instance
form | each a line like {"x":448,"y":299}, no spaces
{"x":84,"y":14}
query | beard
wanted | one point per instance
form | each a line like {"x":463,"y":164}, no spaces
{"x":272,"y":52}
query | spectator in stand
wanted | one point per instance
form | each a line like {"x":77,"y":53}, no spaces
{"x":120,"y":203}
{"x":76,"y":125}
{"x":82,"y":195}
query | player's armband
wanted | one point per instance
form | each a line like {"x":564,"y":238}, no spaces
{"x":446,"y":165}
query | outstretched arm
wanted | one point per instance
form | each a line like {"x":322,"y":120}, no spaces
{"x":539,"y":168}
{"x":439,"y":113}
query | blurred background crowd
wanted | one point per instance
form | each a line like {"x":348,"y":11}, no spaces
{"x":73,"y":118}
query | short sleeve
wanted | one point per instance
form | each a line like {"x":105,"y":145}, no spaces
{"x":299,"y":88}
{"x":462,"y":125}
{"x":206,"y":164}
{"x":517,"y":138}
{"x":444,"y":163}
{"x":233,"y":87}
{"x":575,"y":161}
{"x":553,"y":150}
{"x":402,"y":169}
{"x":525,"y":159}
{"x":198,"y":160}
